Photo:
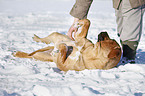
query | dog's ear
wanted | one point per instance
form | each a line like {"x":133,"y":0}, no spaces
{"x":114,"y":53}
{"x":103,"y":36}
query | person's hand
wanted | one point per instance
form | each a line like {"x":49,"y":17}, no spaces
{"x":73,"y":28}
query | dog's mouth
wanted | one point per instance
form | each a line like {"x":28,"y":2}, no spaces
{"x":103,"y":36}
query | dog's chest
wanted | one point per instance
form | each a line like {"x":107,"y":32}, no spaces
{"x":75,"y":55}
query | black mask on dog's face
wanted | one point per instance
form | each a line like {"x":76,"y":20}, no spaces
{"x":103,"y":36}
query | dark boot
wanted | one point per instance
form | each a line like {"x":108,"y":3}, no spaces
{"x":129,"y":50}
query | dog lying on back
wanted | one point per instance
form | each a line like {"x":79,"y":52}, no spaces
{"x":79,"y":54}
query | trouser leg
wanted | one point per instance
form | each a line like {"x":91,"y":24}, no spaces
{"x":129,"y":22}
{"x":119,"y":21}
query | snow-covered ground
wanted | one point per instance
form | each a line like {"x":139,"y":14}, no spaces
{"x":20,"y":19}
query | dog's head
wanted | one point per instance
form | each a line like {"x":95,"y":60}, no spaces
{"x":109,"y":45}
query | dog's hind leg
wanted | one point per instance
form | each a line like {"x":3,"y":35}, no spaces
{"x":43,"y":56}
{"x":26,"y":55}
{"x":38,"y":39}
{"x":21,"y":54}
{"x":55,"y":37}
{"x":49,"y":48}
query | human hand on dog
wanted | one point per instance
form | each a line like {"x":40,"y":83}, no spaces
{"x":73,"y":28}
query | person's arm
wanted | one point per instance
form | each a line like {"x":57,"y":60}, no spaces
{"x":79,"y":11}
{"x":81,"y":8}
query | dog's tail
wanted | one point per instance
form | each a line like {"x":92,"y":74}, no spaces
{"x":21,"y":54}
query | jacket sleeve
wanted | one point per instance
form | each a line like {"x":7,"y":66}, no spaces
{"x":81,"y":8}
{"x":116,"y":3}
{"x":136,"y":3}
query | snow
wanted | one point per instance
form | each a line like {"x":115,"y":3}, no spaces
{"x":21,"y":19}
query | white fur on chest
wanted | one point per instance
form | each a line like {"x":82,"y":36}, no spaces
{"x":77,"y":54}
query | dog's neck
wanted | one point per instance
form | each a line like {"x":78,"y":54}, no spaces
{"x":97,"y":47}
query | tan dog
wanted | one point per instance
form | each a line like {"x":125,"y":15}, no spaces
{"x":79,"y":54}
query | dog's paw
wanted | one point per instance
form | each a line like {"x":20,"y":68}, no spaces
{"x":21,"y":54}
{"x":36,"y":38}
{"x":14,"y":53}
{"x":17,"y":54}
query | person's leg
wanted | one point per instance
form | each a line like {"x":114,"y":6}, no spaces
{"x":119,"y":20}
{"x":130,"y":29}
{"x":132,"y":22}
